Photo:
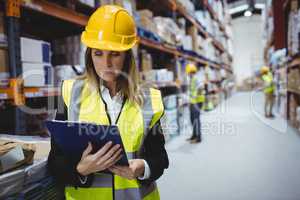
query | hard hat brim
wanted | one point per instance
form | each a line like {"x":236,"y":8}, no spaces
{"x":107,"y":45}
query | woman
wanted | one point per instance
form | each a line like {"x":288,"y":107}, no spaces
{"x":109,"y":94}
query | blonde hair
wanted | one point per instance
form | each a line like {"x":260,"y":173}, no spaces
{"x":128,"y":85}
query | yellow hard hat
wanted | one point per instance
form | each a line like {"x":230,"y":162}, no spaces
{"x":190,"y":68}
{"x":111,"y":28}
{"x":264,"y":69}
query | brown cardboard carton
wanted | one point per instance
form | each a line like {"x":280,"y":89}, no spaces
{"x":3,"y":61}
{"x":193,"y":32}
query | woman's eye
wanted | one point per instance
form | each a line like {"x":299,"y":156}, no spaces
{"x":98,"y":53}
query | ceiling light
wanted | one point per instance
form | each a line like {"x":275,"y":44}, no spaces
{"x":248,"y":13}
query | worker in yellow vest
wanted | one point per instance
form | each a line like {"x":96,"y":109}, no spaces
{"x":197,"y":98}
{"x":269,"y":88}
{"x":109,"y":94}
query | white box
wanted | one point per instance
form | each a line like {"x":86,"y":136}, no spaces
{"x":37,"y":74}
{"x":35,"y":51}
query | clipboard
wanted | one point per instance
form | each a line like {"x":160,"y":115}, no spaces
{"x":73,"y":137}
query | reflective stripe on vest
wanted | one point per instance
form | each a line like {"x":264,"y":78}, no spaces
{"x":134,"y":122}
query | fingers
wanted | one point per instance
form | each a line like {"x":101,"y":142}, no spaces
{"x":110,"y":153}
{"x":113,"y":159}
{"x":117,"y":171}
{"x":103,"y":150}
{"x":88,"y":150}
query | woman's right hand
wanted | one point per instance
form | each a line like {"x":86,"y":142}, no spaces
{"x":104,"y":158}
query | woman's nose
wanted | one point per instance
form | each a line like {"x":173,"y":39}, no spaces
{"x":108,"y":62}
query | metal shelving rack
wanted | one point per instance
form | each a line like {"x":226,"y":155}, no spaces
{"x":18,"y":94}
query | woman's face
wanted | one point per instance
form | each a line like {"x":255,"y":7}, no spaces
{"x":108,"y":64}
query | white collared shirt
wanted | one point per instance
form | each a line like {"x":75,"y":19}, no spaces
{"x":114,"y":106}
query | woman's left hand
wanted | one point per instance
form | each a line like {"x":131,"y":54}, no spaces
{"x":135,"y":169}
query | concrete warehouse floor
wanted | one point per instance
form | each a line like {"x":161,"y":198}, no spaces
{"x":243,"y":156}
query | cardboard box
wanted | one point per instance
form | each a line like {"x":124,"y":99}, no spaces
{"x":193,"y":32}
{"x":37,"y":74}
{"x":35,"y":51}
{"x":3,"y":60}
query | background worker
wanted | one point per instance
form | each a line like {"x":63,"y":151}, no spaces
{"x":269,"y":87}
{"x":197,"y":98}
{"x":110,"y":94}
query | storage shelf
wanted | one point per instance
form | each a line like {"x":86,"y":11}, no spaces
{"x":57,"y":11}
{"x":174,"y":51}
{"x":30,"y":92}
{"x":174,"y":6}
{"x":72,"y":16}
{"x":33,"y":92}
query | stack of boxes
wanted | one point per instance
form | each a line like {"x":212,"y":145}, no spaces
{"x":168,"y":30}
{"x":144,"y":19}
{"x":36,"y":66}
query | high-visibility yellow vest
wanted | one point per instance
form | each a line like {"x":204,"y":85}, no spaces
{"x":195,"y":96}
{"x":86,"y":105}
{"x":268,"y":79}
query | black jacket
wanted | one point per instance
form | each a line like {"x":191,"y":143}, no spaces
{"x":64,"y":170}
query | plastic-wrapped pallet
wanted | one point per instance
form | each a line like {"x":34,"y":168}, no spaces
{"x":144,"y":18}
{"x":167,"y":29}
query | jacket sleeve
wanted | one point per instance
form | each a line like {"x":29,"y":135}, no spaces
{"x":62,"y":168}
{"x":154,"y":153}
